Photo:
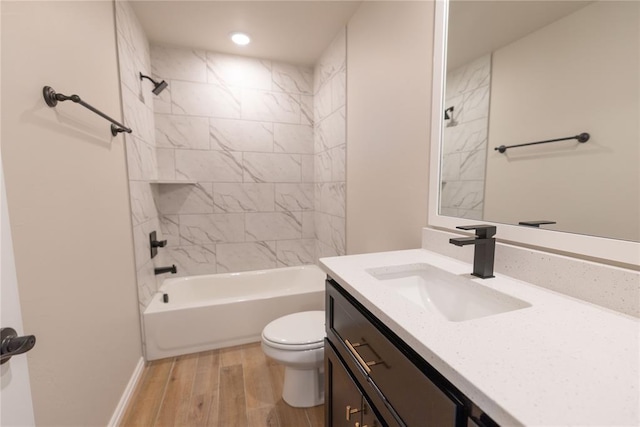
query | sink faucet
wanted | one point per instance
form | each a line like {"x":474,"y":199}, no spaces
{"x":162,"y":270}
{"x":485,"y":250}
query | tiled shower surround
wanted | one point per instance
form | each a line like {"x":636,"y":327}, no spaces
{"x":465,"y":144}
{"x":261,"y":145}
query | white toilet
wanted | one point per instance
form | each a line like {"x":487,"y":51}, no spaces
{"x":297,"y":342}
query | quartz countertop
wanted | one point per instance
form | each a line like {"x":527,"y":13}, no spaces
{"x":559,"y":362}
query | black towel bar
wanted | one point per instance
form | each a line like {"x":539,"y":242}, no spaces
{"x":52,"y":98}
{"x":583,"y":137}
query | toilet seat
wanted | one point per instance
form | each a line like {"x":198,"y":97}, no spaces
{"x":297,"y":331}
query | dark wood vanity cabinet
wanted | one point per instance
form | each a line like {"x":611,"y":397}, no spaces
{"x":373,"y":378}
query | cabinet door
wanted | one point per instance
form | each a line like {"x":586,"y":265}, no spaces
{"x":343,"y":401}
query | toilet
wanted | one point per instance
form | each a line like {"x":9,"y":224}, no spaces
{"x":297,"y":342}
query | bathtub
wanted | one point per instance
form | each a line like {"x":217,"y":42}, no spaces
{"x":221,"y":310}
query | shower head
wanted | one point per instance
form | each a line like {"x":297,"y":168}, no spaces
{"x":157,"y":87}
{"x":447,"y":116}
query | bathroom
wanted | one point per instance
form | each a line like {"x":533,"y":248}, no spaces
{"x":75,"y":229}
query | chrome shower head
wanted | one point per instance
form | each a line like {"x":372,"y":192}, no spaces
{"x":157,"y":86}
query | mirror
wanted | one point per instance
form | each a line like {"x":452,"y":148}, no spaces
{"x":528,"y":71}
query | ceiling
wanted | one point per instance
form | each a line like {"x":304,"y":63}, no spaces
{"x":295,"y":32}
{"x":480,"y":27}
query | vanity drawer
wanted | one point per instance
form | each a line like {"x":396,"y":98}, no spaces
{"x":412,"y":395}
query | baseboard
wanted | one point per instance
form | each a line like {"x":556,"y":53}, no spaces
{"x":116,"y":418}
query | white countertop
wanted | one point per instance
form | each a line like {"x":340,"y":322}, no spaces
{"x":559,"y":362}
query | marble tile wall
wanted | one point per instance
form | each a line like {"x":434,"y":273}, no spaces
{"x":242,"y":129}
{"x":329,"y":148}
{"x":465,"y":144}
{"x":142,"y":159}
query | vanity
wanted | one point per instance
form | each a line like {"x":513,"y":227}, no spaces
{"x":400,"y":354}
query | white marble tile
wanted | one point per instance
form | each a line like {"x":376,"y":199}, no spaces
{"x":143,"y":207}
{"x":263,"y":167}
{"x":239,"y":71}
{"x":322,"y":105}
{"x":462,"y":194}
{"x":241,"y":135}
{"x":323,"y":227}
{"x":162,"y":102}
{"x":292,"y":79}
{"x":141,"y":159}
{"x":129,"y":27}
{"x":138,"y":116}
{"x":211,"y":228}
{"x":331,"y":132}
{"x":185,"y":199}
{"x":146,"y":284}
{"x":307,"y":115}
{"x":142,"y":251}
{"x":293,"y":138}
{"x":194,"y":260}
{"x":182,"y":132}
{"x":234,"y":257}
{"x":471,"y":213}
{"x":129,"y":76}
{"x":338,"y":163}
{"x":450,"y":167}
{"x":207,"y":100}
{"x":166,"y":163}
{"x":295,"y":252}
{"x":273,"y":226}
{"x":243,"y":197}
{"x":323,"y":166}
{"x":475,"y":74}
{"x":213,"y":166}
{"x":475,"y":105}
{"x":294,"y":197}
{"x":170,"y":230}
{"x":179,"y":63}
{"x":472,"y":165}
{"x":308,"y":225}
{"x":467,"y":136}
{"x":338,"y":232}
{"x":323,"y":250}
{"x":339,"y":90}
{"x":307,"y":167}
{"x":332,"y":198}
{"x":332,"y":60}
{"x":270,"y":106}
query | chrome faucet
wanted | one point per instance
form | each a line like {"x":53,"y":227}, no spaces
{"x":484,"y":251}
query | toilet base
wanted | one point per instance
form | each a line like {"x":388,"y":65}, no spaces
{"x":303,"y":388}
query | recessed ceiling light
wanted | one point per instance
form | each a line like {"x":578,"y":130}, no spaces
{"x":240,"y":39}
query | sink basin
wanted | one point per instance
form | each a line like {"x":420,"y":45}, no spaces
{"x":450,"y":296}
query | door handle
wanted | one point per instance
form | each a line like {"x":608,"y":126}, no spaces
{"x":12,"y":345}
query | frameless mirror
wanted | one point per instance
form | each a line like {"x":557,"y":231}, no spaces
{"x":528,"y":71}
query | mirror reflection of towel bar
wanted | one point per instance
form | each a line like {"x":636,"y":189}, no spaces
{"x":583,"y":137}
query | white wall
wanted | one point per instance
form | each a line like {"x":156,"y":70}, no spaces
{"x":579,"y":74}
{"x":389,"y":50}
{"x":67,"y":195}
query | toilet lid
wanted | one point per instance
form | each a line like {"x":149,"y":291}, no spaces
{"x":305,"y":329}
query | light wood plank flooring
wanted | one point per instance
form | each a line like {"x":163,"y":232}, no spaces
{"x":231,"y":387}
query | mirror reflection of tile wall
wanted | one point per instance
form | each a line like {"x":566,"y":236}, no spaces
{"x":465,"y":139}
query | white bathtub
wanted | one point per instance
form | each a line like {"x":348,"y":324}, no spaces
{"x":221,"y":310}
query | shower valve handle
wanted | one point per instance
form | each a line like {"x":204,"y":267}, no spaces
{"x":158,"y":243}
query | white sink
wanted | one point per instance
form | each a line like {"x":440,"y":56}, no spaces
{"x":453,"y":297}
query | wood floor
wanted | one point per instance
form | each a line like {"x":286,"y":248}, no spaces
{"x":231,"y":387}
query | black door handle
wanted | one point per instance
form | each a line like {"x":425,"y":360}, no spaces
{"x":12,"y":345}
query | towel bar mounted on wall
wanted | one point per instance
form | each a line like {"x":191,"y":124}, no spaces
{"x":52,"y":98}
{"x":583,"y":137}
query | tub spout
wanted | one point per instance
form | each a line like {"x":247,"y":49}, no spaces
{"x":162,"y":270}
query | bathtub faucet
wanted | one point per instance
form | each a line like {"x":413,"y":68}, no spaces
{"x":162,"y":270}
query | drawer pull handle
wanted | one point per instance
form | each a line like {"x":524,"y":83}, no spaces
{"x":352,"y":349}
{"x":351,"y":412}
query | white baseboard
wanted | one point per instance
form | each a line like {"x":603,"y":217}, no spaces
{"x":116,"y":418}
